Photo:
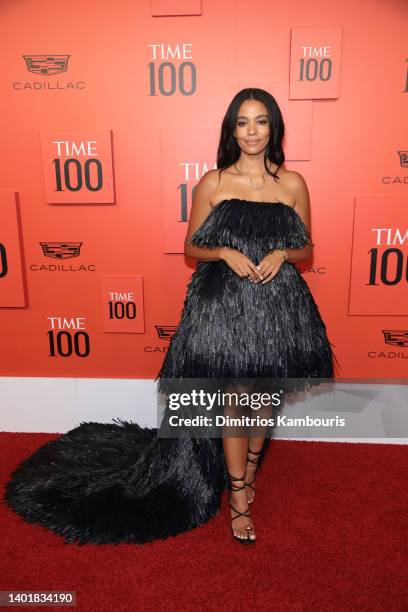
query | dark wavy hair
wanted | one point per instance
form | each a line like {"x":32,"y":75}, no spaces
{"x":228,"y":148}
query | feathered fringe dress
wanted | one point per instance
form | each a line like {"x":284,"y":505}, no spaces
{"x":118,"y":482}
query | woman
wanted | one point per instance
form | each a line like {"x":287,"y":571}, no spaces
{"x":248,"y":314}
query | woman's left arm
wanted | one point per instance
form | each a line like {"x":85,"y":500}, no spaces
{"x":272,"y":262}
{"x":302,"y":207}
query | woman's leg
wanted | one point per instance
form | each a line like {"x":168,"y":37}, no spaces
{"x":235,"y":453}
{"x":255,"y":445}
{"x":256,"y":439}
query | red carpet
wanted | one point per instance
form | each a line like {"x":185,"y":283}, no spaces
{"x":331,"y":521}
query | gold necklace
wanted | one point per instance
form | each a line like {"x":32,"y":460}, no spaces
{"x":252,"y":184}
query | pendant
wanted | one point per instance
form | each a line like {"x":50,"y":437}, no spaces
{"x":254,"y":186}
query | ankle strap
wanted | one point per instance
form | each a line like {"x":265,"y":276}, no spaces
{"x":255,"y":460}
{"x":235,"y":487}
{"x":244,"y":513}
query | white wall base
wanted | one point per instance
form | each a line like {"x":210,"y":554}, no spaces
{"x":56,"y":405}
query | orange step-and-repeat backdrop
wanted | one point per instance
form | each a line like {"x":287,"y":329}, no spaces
{"x":111,"y":113}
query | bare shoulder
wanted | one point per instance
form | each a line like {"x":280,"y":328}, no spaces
{"x":296,"y":185}
{"x":205,"y":189}
{"x":209,"y":180}
{"x":294,"y":180}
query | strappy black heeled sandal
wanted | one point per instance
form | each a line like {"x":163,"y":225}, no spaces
{"x":255,"y":463}
{"x":235,"y":487}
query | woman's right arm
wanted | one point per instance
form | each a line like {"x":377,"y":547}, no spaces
{"x":200,"y":209}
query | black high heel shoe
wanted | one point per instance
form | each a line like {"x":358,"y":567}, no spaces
{"x":255,"y":463}
{"x":235,"y":487}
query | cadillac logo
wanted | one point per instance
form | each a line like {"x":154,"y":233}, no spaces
{"x":396,"y":337}
{"x":166,"y":332}
{"x":403,"y":156}
{"x":46,"y":64}
{"x":61,"y":250}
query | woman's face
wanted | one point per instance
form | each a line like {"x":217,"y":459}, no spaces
{"x":252,"y":127}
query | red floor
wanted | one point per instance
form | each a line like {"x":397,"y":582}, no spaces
{"x":332,"y":527}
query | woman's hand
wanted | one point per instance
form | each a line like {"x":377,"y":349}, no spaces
{"x":270,"y":265}
{"x":240,"y":264}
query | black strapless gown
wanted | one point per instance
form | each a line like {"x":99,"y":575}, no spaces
{"x":118,"y":482}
